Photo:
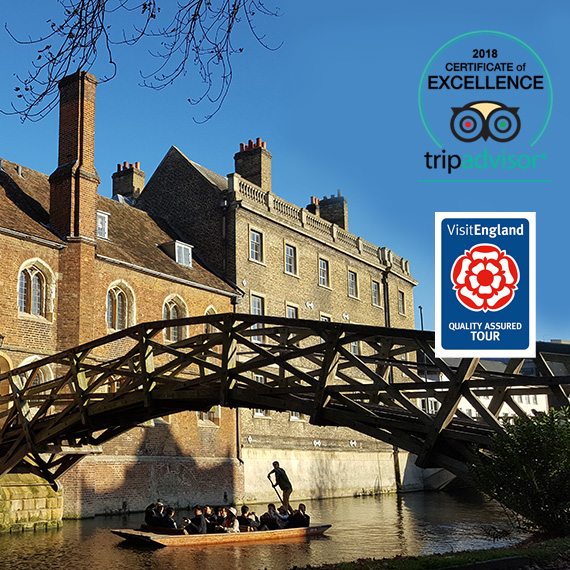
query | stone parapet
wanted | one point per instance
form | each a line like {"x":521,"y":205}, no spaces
{"x":264,"y":201}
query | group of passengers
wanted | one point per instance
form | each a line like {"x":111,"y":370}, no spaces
{"x":226,"y":519}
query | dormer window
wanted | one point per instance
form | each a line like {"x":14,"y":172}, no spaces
{"x":103,"y":225}
{"x":184,"y":254}
{"x":179,"y":251}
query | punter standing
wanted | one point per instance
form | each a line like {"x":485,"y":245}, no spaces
{"x":282,"y":480}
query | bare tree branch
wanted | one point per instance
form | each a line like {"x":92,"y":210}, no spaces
{"x":198,"y":35}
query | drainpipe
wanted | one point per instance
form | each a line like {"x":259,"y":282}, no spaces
{"x":395,"y":450}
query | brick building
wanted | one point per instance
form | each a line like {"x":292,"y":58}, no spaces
{"x":298,"y":263}
{"x":76,"y":266}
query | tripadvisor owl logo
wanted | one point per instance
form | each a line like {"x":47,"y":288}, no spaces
{"x":485,"y":119}
{"x":485,"y":100}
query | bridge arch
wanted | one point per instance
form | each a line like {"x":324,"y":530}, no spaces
{"x":308,"y":366}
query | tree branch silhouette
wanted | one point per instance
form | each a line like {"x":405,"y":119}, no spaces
{"x":197,"y":36}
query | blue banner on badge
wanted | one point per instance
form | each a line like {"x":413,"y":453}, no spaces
{"x":485,"y":284}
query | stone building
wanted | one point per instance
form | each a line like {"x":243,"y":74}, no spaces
{"x":76,"y":266}
{"x":298,"y":263}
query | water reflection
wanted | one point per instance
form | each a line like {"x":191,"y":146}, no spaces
{"x":371,"y":527}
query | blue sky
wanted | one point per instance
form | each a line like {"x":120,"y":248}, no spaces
{"x":338,"y":107}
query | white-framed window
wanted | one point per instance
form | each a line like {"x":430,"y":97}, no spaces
{"x":325,"y":318}
{"x":259,"y":412}
{"x":401,"y":303}
{"x":376,"y":294}
{"x":184,"y":254}
{"x":290,"y":259}
{"x":256,"y":246}
{"x":292,"y":312}
{"x":295,"y":416}
{"x":102,"y":225}
{"x":324,"y":274}
{"x":257,"y":308}
{"x":352,"y":284}
{"x":355,"y":347}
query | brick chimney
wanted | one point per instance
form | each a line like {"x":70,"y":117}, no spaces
{"x":128,"y":181}
{"x":73,"y":186}
{"x":253,"y":162}
{"x":333,"y":209}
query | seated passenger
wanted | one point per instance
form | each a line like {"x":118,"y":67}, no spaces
{"x":271,"y":519}
{"x":231,"y":524}
{"x":249,"y":519}
{"x":282,"y":517}
{"x":211,"y":519}
{"x":299,"y":518}
{"x":197,"y":524}
{"x":168,"y":519}
{"x":153,"y":514}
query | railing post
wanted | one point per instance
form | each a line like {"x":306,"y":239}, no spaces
{"x":229,"y":361}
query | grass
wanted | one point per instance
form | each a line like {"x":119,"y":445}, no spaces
{"x":541,"y":553}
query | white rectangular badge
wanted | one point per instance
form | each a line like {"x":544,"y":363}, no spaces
{"x":485,"y":284}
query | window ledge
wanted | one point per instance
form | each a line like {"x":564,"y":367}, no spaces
{"x":208,"y":424}
{"x":34,"y":318}
{"x":257,"y":262}
{"x":292,"y":274}
{"x":325,"y":286}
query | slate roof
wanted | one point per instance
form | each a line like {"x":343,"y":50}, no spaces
{"x":134,"y":238}
{"x":133,"y":234}
{"x":24,"y":202}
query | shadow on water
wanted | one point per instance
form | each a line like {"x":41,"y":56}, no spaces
{"x":367,"y":527}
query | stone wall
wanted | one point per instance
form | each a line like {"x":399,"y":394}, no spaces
{"x":325,"y":474}
{"x":28,"y":503}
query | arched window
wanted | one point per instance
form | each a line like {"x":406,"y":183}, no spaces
{"x":41,"y":376}
{"x":118,"y":308}
{"x":209,"y":327}
{"x":170,"y":312}
{"x":174,"y":308}
{"x":32,"y":291}
{"x":36,"y":288}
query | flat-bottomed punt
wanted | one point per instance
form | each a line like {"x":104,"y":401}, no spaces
{"x":159,"y":540}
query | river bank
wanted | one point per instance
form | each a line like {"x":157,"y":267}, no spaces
{"x":551,"y":554}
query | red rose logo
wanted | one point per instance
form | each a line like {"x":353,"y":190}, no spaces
{"x":485,"y":278}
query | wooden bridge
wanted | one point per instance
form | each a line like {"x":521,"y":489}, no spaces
{"x":373,"y":380}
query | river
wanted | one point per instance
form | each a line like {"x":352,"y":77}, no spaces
{"x":367,"y":527}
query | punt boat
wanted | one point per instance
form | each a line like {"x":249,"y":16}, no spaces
{"x":178,"y":537}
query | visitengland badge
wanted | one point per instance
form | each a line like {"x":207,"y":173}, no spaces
{"x":485,"y":284}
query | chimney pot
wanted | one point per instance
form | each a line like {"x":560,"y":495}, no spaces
{"x":138,"y":165}
{"x":241,"y":147}
{"x":263,"y":145}
{"x":258,"y":142}
{"x":125,"y":165}
{"x":119,"y":167}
